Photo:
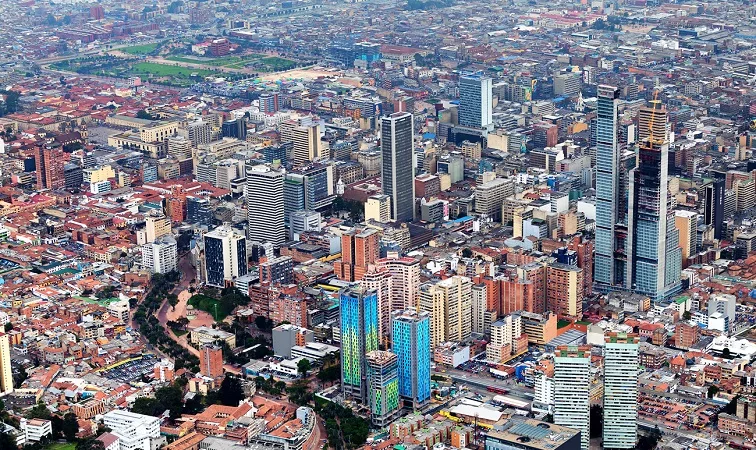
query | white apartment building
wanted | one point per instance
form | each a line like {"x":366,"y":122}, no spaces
{"x":620,"y":391}
{"x":135,"y":431}
{"x":35,"y":429}
{"x":160,"y":256}
{"x":572,"y":390}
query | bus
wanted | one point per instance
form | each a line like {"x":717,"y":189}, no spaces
{"x":497,"y":390}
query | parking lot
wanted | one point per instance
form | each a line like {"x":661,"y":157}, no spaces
{"x":674,"y":413}
{"x":132,"y":370}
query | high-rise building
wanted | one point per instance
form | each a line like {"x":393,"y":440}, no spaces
{"x":198,"y":211}
{"x":199,"y":133}
{"x":156,"y":224}
{"x":610,"y":258}
{"x":278,"y":270}
{"x":656,"y":256}
{"x":620,"y":391}
{"x":211,"y":361}
{"x":359,"y":335}
{"x":564,"y":292}
{"x":411,"y":342}
{"x":379,"y":280}
{"x":398,"y":173}
{"x":6,"y":374}
{"x":311,"y":189}
{"x":686,"y":223}
{"x":504,"y":332}
{"x":235,"y":128}
{"x":268,"y":103}
{"x":489,"y":197}
{"x":475,"y":100}
{"x":383,"y":387}
{"x":449,"y":303}
{"x":405,"y":279}
{"x":359,"y":248}
{"x":714,"y":201}
{"x":306,"y":141}
{"x":50,"y":165}
{"x":572,"y":390}
{"x":265,"y":205}
{"x":225,"y":255}
{"x":160,"y":256}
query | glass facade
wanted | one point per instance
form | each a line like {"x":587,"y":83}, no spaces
{"x":398,"y":173}
{"x":214,"y":261}
{"x":359,"y":335}
{"x":411,"y":343}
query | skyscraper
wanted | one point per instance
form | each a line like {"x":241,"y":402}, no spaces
{"x":265,"y":205}
{"x":225,"y":255}
{"x":50,"y":168}
{"x":359,"y":335}
{"x":610,"y":249}
{"x":383,"y":386}
{"x":620,"y":391}
{"x":572,"y":389}
{"x":6,"y":374}
{"x":411,"y":343}
{"x":398,"y":173}
{"x":714,"y":201}
{"x":475,"y":100}
{"x":653,"y":238}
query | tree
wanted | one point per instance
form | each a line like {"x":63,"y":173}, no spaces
{"x":90,"y":443}
{"x":597,"y":421}
{"x":713,"y":390}
{"x":70,"y":427}
{"x":39,"y":411}
{"x":8,"y":327}
{"x":231,"y":391}
{"x":7,"y":441}
{"x":467,"y":253}
{"x":145,"y":405}
{"x":686,"y":315}
{"x":303,"y":366}
{"x":170,"y":398}
{"x":143,"y":114}
{"x":263,"y":323}
{"x":726,"y":353}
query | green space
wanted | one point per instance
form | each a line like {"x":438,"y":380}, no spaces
{"x":277,"y":64}
{"x":210,"y":305}
{"x":259,"y":62}
{"x":162,"y":70}
{"x":62,"y":446}
{"x":144,"y":49}
{"x":563,"y":323}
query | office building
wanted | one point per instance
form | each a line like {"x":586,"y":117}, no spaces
{"x":383,"y":386}
{"x":609,"y":267}
{"x":378,"y":208}
{"x":287,"y":336}
{"x":6,"y":374}
{"x":35,"y":429}
{"x":489,"y":197}
{"x":156,"y":224}
{"x":268,"y":103}
{"x":686,"y":223}
{"x":303,"y":221}
{"x":306,"y":140}
{"x":714,"y":201}
{"x":198,"y":211}
{"x":236,"y":128}
{"x":50,"y":166}
{"x":310,"y":189}
{"x":225,"y":256}
{"x":359,"y":248}
{"x":398,"y":173}
{"x":567,"y":84}
{"x":199,"y":133}
{"x":475,"y":101}
{"x":134,"y":431}
{"x":411,"y":342}
{"x":160,"y":256}
{"x":277,"y":270}
{"x":620,"y":391}
{"x":265,"y":205}
{"x":211,"y":361}
{"x":359,"y":335}
{"x":656,"y":255}
{"x":572,"y":386}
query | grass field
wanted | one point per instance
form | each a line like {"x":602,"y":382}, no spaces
{"x":210,"y":305}
{"x":162,"y":70}
{"x":63,"y":446}
{"x":260,"y":62}
{"x":144,"y":49}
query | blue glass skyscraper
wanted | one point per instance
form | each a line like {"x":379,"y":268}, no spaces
{"x":359,"y":335}
{"x":411,"y":343}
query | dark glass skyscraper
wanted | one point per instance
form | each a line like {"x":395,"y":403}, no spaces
{"x":714,"y":199}
{"x":653,"y":238}
{"x":398,"y":172}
